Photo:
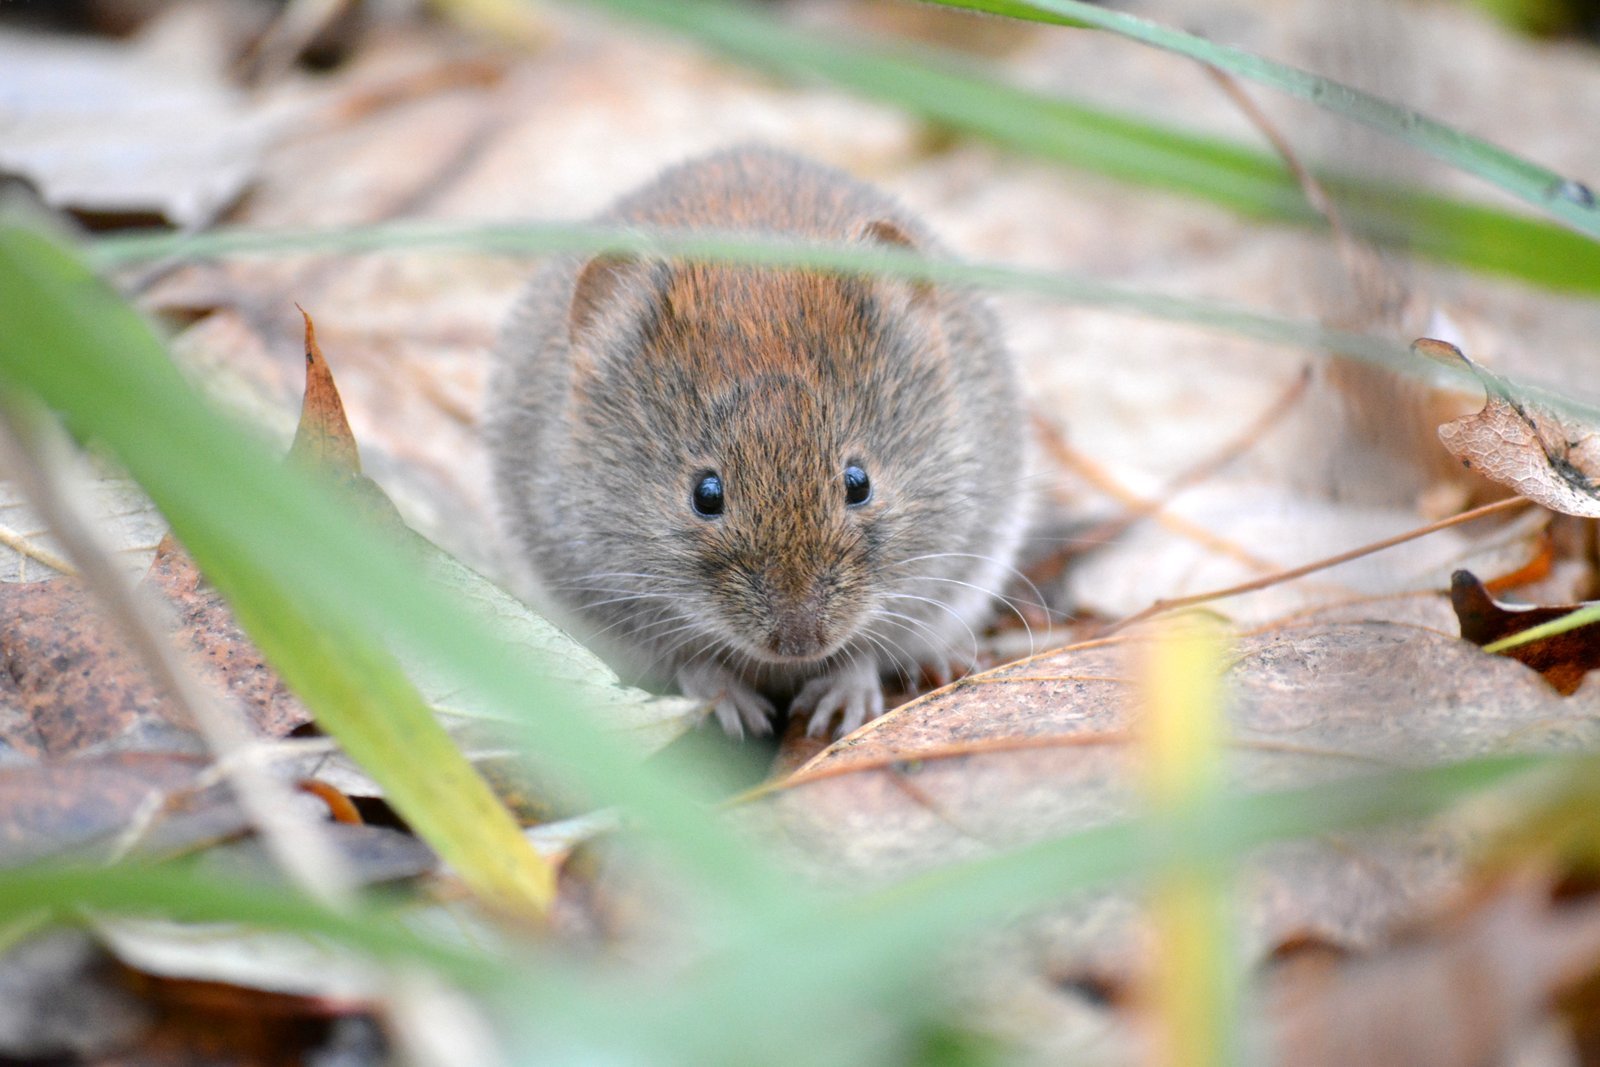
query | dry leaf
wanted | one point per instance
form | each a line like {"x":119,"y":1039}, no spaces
{"x":323,"y":439}
{"x":147,"y":131}
{"x":1547,"y":457}
{"x":85,"y":808}
{"x":1468,"y":994}
{"x":1563,"y":659}
{"x":68,"y":685}
{"x":1042,"y":747}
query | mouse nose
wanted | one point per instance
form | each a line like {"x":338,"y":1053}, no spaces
{"x":799,"y":630}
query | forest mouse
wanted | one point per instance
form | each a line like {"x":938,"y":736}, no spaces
{"x":761,"y":483}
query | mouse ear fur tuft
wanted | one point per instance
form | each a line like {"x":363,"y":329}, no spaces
{"x":891,"y":234}
{"x":886,"y":232}
{"x":600,"y":281}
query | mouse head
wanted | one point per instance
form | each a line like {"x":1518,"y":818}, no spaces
{"x":764,"y":444}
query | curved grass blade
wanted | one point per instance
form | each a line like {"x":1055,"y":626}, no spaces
{"x":964,"y":96}
{"x":175,"y":893}
{"x":280,"y":553}
{"x":763,"y":251}
{"x":1574,"y":619}
{"x":1566,"y":199}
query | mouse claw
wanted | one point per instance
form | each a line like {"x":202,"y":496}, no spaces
{"x":941,"y":670}
{"x":855,"y":694}
{"x":737,"y":706}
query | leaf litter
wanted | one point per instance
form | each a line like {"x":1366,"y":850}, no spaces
{"x":999,"y":758}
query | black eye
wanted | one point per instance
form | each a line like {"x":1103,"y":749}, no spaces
{"x":857,"y":486}
{"x":707,"y":497}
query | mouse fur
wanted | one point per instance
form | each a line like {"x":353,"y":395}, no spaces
{"x":620,"y":383}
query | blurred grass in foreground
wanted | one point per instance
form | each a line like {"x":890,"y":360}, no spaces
{"x":787,"y":975}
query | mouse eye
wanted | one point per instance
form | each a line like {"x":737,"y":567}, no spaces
{"x":857,"y":486}
{"x":707,"y":496}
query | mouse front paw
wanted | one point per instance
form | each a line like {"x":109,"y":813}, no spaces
{"x":737,"y":706}
{"x":853,"y":692}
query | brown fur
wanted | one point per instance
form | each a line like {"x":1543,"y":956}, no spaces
{"x":619,"y":382}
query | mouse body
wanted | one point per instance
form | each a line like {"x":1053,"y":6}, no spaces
{"x":761,"y":483}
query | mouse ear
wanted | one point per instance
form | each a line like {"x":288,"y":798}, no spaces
{"x":599,"y":283}
{"x":891,"y":234}
{"x":886,"y":232}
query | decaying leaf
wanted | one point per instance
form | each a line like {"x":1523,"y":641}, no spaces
{"x":68,"y":685}
{"x":96,"y":807}
{"x":1549,"y":458}
{"x":1043,"y":747}
{"x":152,"y":130}
{"x":323,"y":439}
{"x":1563,"y":659}
{"x":1471,"y":992}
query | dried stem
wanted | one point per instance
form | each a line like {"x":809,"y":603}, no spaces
{"x":1162,"y":606}
{"x":34,"y":453}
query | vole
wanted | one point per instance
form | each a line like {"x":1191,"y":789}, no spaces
{"x":759,"y":482}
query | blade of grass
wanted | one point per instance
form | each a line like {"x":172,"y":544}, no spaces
{"x":961,"y":95}
{"x":179,"y":894}
{"x":311,"y":586}
{"x":1568,"y":200}
{"x":742,"y":248}
{"x":1575,"y":618}
{"x":1193,"y":987}
{"x":884,"y":949}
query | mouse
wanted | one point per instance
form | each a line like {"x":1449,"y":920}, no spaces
{"x":763,"y":485}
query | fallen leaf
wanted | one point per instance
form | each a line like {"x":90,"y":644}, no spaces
{"x":1563,"y":659}
{"x":141,"y":132}
{"x":1043,"y":747}
{"x":219,"y":648}
{"x":92,"y":808}
{"x":68,"y":685}
{"x":323,"y":440}
{"x":60,"y":1000}
{"x":1547,"y":457}
{"x":1468,"y":992}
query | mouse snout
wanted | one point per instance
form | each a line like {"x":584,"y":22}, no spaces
{"x":799,"y":631}
{"x":804,"y":617}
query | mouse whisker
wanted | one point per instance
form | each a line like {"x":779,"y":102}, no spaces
{"x":1010,"y":603}
{"x":626,"y":596}
{"x":938,"y":645}
{"x":947,"y":609}
{"x":642,"y":630}
{"x":895,"y":655}
{"x":1004,"y":566}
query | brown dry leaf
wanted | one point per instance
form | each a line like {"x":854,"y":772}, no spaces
{"x":1547,"y":457}
{"x":323,"y":439}
{"x":145,"y":131}
{"x":1042,"y":747}
{"x":1469,"y":993}
{"x":1564,"y":659}
{"x":222,"y":651}
{"x":61,"y":1001}
{"x":94,"y":807}
{"x":68,"y":685}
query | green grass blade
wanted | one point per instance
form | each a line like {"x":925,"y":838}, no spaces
{"x":962,"y":95}
{"x":312,"y":587}
{"x":173,"y":892}
{"x":1572,"y":620}
{"x":1539,"y":186}
{"x":883,"y":950}
{"x":354,"y":687}
{"x":528,"y":238}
